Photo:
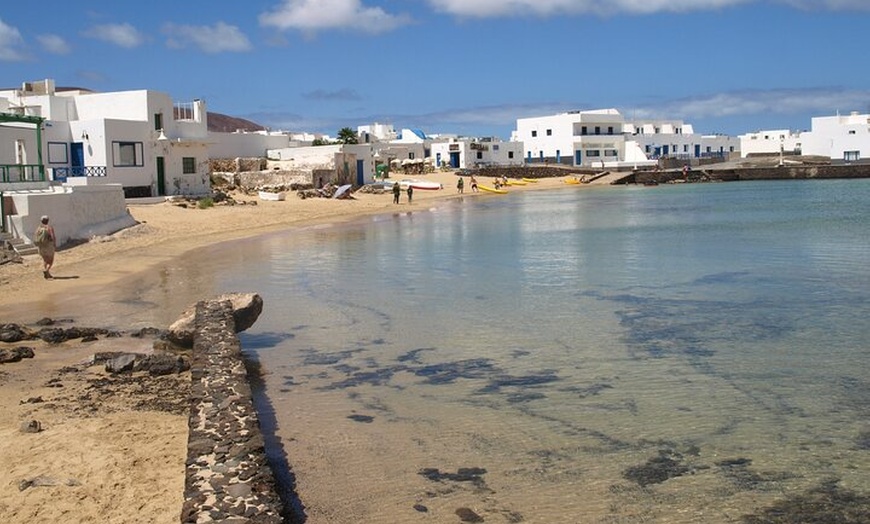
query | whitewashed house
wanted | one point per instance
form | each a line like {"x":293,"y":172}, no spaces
{"x":461,"y":153}
{"x":334,"y":164}
{"x":843,"y":138}
{"x":675,"y":139}
{"x":771,"y":142}
{"x":139,"y":139}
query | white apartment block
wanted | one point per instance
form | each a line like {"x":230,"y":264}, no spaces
{"x":138,"y":139}
{"x":841,"y":138}
{"x":769,"y":142}
{"x":602,"y":138}
{"x":676,"y":139}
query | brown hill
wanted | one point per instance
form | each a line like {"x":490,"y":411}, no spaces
{"x":227,"y":124}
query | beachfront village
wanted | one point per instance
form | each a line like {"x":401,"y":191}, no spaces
{"x":80,"y":155}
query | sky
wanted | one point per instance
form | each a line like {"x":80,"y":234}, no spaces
{"x":467,"y":67}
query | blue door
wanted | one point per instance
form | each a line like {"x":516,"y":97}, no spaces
{"x":360,"y":173}
{"x":697,"y":150}
{"x":454,"y":160}
{"x":77,"y":159}
{"x":578,"y":158}
{"x":665,"y":150}
{"x":437,"y":159}
{"x":558,"y":157}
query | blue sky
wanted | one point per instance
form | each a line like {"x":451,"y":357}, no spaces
{"x":470,"y":67}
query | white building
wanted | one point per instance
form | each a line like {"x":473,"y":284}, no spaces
{"x":460,"y":153}
{"x":577,"y":138}
{"x":335,"y":164}
{"x":770,"y":142}
{"x":139,"y":139}
{"x":677,"y":140}
{"x":603,"y":139}
{"x":840,"y":137}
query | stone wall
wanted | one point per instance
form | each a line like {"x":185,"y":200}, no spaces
{"x":758,"y":173}
{"x":228,"y":478}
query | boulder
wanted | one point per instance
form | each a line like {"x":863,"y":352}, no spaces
{"x":246,"y":309}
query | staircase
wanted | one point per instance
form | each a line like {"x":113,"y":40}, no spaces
{"x":20,"y":246}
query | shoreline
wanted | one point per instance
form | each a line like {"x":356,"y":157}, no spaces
{"x":124,"y":462}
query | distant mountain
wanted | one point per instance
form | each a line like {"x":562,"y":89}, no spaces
{"x":227,"y":124}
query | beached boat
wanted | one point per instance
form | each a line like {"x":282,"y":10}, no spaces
{"x":491,"y":189}
{"x":530,"y":180}
{"x":416,"y":184}
{"x":272,"y":195}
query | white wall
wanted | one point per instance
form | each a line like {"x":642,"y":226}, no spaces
{"x":244,"y":145}
{"x":76,"y":212}
{"x":833,"y":136}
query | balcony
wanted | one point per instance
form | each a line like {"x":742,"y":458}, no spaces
{"x":62,"y":173}
{"x":15,"y":173}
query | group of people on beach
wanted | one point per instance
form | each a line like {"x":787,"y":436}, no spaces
{"x":460,"y":184}
{"x":397,"y":191}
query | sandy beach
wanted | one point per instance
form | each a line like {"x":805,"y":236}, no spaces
{"x":107,"y":451}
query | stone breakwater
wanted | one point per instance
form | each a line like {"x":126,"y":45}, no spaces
{"x":228,"y":478}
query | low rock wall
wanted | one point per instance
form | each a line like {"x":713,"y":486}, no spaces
{"x":228,"y":478}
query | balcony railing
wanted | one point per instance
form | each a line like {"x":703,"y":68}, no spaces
{"x":12,"y":173}
{"x":62,"y":173}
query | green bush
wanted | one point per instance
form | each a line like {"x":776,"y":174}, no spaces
{"x":205,"y":203}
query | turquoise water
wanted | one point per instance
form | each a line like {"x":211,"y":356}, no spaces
{"x":689,"y":353}
{"x":686,"y":353}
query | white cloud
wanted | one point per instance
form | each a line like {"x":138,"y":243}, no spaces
{"x":496,"y":8}
{"x":219,"y":38}
{"x":315,"y":15}
{"x":54,"y":44}
{"x":123,"y":35}
{"x":11,"y":44}
{"x":817,"y":101}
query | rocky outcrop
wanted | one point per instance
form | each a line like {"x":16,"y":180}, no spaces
{"x":228,"y":478}
{"x":246,"y":308}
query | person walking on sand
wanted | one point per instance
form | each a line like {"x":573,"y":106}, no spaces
{"x":460,"y":185}
{"x":46,"y":242}
{"x":396,"y":191}
{"x":410,"y":192}
{"x":473,"y":184}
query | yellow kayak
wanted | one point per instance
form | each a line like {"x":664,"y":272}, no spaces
{"x":571,"y":181}
{"x":516,"y":183}
{"x":530,"y":180}
{"x":491,"y":189}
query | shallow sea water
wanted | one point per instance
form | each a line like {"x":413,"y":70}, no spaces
{"x":692,"y":353}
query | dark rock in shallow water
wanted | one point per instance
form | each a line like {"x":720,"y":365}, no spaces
{"x":361,"y":418}
{"x":421,"y":508}
{"x":467,"y":515}
{"x":655,"y":471}
{"x":473,"y":475}
{"x":52,"y":335}
{"x":827,"y":503}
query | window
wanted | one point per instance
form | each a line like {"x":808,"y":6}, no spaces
{"x":534,"y":134}
{"x":610,"y":152}
{"x":188,"y":165}
{"x":609,"y":130}
{"x":158,"y":121}
{"x":127,"y":154}
{"x":411,"y":155}
{"x":597,"y":130}
{"x":495,"y":147}
{"x":583,"y":130}
{"x":549,"y":132}
{"x":685,"y":148}
{"x":510,"y":154}
{"x":57,"y":153}
{"x":851,"y":156}
{"x":479,"y":155}
{"x":851,"y":131}
{"x":593,"y":152}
